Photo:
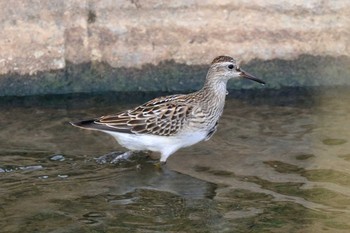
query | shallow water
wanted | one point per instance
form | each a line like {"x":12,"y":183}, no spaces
{"x":279,"y":162}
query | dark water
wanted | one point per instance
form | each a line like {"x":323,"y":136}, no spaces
{"x":280,"y":162}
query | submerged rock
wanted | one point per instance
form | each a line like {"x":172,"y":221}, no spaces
{"x":57,"y":157}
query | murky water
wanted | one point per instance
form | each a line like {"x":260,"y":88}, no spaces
{"x":280,"y":162}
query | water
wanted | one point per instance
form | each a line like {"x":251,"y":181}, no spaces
{"x":280,"y":162}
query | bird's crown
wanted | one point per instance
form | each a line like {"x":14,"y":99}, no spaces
{"x":220,"y":59}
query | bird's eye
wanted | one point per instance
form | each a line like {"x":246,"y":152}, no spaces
{"x":230,"y":67}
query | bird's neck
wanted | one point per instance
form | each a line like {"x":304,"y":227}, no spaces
{"x":214,"y":91}
{"x":212,"y":97}
{"x":215,"y":88}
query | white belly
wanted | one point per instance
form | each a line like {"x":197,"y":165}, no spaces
{"x":166,"y":145}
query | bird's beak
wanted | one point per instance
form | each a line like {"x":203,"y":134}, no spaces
{"x":246,"y":75}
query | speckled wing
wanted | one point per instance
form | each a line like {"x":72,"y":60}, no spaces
{"x":163,"y":116}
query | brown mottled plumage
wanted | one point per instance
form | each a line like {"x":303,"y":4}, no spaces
{"x":166,"y":124}
{"x":220,"y":59}
{"x":163,"y":116}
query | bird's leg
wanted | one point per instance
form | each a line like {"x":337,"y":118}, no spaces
{"x":159,"y":165}
{"x":114,"y":157}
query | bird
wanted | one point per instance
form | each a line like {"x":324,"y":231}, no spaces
{"x":166,"y":124}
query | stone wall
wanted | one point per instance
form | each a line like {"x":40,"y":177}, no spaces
{"x":43,"y":36}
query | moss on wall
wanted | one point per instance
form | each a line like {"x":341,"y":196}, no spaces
{"x":168,"y":76}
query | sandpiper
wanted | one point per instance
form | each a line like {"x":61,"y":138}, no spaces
{"x":168,"y":123}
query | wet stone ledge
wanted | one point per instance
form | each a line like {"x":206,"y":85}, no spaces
{"x":169,"y":76}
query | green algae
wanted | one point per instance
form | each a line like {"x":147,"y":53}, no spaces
{"x":345,"y":157}
{"x":317,"y":195}
{"x":304,"y":156}
{"x":316,"y":175}
{"x":334,"y":141}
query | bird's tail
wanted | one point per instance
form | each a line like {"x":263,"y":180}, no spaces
{"x":86,"y":124}
{"x":94,"y":125}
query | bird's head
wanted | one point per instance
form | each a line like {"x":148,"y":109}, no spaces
{"x":224,"y":68}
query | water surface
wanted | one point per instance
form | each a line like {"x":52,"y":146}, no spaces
{"x":279,"y":162}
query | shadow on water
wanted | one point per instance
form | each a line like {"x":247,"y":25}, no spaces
{"x":278,"y":163}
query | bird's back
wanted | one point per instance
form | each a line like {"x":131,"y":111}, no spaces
{"x":164,"y":116}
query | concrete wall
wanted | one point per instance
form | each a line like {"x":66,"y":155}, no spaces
{"x":40,"y":37}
